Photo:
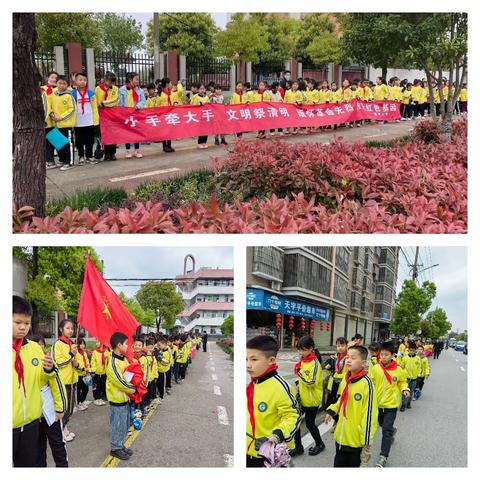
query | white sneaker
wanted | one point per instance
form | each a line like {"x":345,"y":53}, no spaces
{"x":87,"y":402}
{"x":82,"y":407}
{"x":104,"y":402}
{"x":98,"y":402}
{"x":128,"y":154}
{"x":75,"y":409}
{"x":69,"y":437}
{"x":67,"y":166}
{"x":81,"y":161}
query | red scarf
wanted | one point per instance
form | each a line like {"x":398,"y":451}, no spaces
{"x":18,"y":362}
{"x":137,"y":355}
{"x":84,"y":356}
{"x":168,"y":93}
{"x":250,"y":387}
{"x":104,"y":89}
{"x":392,"y":366}
{"x":298,"y":365}
{"x":261,"y":94}
{"x":49,"y":89}
{"x":344,"y":398}
{"x":134,"y":92}
{"x":102,"y":351}
{"x":84,"y":98}
{"x":338,"y":363}
{"x":67,"y":341}
{"x":240,"y":95}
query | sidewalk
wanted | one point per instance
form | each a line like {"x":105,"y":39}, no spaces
{"x":157,"y":165}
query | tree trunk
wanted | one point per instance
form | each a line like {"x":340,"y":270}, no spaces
{"x":384,"y":73}
{"x":28,"y":119}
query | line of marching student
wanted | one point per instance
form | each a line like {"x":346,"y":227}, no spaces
{"x":59,"y":378}
{"x":73,"y":107}
{"x":365,"y":388}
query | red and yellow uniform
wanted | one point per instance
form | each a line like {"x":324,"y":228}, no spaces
{"x":62,"y":105}
{"x":117,"y":387}
{"x":411,"y":365}
{"x":294,"y":97}
{"x":107,"y":97}
{"x":389,"y":383}
{"x":261,"y":96}
{"x":310,"y":381}
{"x":381,"y":92}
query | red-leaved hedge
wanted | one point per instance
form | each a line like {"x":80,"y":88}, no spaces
{"x":275,"y":187}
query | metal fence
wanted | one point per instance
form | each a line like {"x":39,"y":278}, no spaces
{"x":45,"y":62}
{"x":267,"y":72}
{"x":121,"y":64}
{"x":208,"y":70}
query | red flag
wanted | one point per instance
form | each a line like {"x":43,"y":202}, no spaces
{"x":101,"y":311}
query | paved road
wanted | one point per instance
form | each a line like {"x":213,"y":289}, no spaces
{"x":432,"y":434}
{"x":191,"y":428}
{"x":156,"y":165}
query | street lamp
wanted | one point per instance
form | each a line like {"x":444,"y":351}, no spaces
{"x":157,"y":319}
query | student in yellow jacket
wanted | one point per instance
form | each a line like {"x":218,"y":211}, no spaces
{"x":272,"y":411}
{"x":374,"y":351}
{"x":166,"y":98}
{"x":311,"y":93}
{"x":63,"y":353}
{"x":178,"y":94}
{"x":411,"y":363}
{"x":82,"y":369}
{"x":152,"y":374}
{"x":117,"y":394}
{"x":339,"y":370}
{"x":463,"y":99}
{"x":98,"y":367}
{"x":309,"y":380}
{"x":62,"y":115}
{"x":391,"y":386}
{"x":347,"y":93}
{"x":108,"y":96}
{"x":324,"y":94}
{"x":182,"y":358}
{"x":380,"y":92}
{"x":356,"y":410}
{"x":261,"y":95}
{"x":201,"y":99}
{"x":294,"y":95}
{"x":424,"y":368}
{"x":32,"y":369}
{"x":163,"y":366}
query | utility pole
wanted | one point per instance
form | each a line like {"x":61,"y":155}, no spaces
{"x":415,"y":265}
{"x":156,"y":46}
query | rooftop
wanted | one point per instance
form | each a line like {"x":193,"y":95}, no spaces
{"x":206,"y":272}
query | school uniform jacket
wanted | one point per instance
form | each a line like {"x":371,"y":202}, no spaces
{"x":143,"y":361}
{"x":93,"y":103}
{"x":117,"y":387}
{"x":371,"y":364}
{"x":347,"y":94}
{"x":64,"y":358}
{"x":199,"y":100}
{"x":358,"y":427}
{"x":83,"y":364}
{"x":126,"y":97}
{"x":27,"y":405}
{"x":336,"y":96}
{"x":111,"y":100}
{"x":96,"y":365}
{"x":389,"y":395}
{"x":173,"y":353}
{"x":310,"y":383}
{"x":151,"y":102}
{"x":424,"y":366}
{"x":163,"y":360}
{"x":275,"y":411}
{"x":294,"y":97}
{"x":463,"y":97}
{"x":381,"y":92}
{"x":312,"y":97}
{"x":152,"y":368}
{"x":178,"y":97}
{"x":46,"y":104}
{"x":62,"y":105}
{"x":324,"y":96}
{"x":182,"y":355}
{"x":238,"y":99}
{"x":411,"y":365}
{"x":417,"y":93}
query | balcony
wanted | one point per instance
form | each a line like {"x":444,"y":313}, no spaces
{"x":207,"y":290}
{"x":207,"y":306}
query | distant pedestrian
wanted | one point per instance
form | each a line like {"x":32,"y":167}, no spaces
{"x":204,"y":341}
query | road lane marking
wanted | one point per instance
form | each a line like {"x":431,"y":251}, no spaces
{"x":212,"y":369}
{"x":228,"y":460}
{"x":143,"y":174}
{"x":462,"y":369}
{"x":216,"y":390}
{"x":222,"y":416}
{"x":214,"y":377}
{"x":456,"y":359}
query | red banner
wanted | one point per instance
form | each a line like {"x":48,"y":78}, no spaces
{"x":128,"y":125}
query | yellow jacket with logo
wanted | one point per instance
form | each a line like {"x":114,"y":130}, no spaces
{"x":178,"y":96}
{"x":275,"y":410}
{"x":151,"y":102}
{"x":64,"y":359}
{"x":96,"y":365}
{"x":238,"y":99}
{"x":112,"y":100}
{"x":389,"y":395}
{"x":358,"y":427}
{"x":347,"y":94}
{"x":163,"y":360}
{"x":144,"y":364}
{"x":424,"y":366}
{"x":310,"y":383}
{"x":199,"y":100}
{"x":293,"y":97}
{"x":27,"y":406}
{"x":117,"y":387}
{"x":173,"y":351}
{"x":373,"y":361}
{"x":324,"y":96}
{"x":406,"y":99}
{"x":62,"y":105}
{"x":257,"y":97}
{"x":312,"y":97}
{"x":463,"y":97}
{"x":182,"y":355}
{"x":411,"y":365}
{"x":417,"y":93}
{"x":381,"y":92}
{"x":83,"y":366}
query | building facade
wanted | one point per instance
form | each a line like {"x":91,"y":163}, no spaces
{"x":208,"y":298}
{"x":335,"y":292}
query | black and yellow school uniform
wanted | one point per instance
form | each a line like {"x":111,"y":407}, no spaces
{"x":108,"y":98}
{"x":163,"y":366}
{"x":424,"y":372}
{"x":98,"y":367}
{"x":357,"y":414}
{"x":339,"y":372}
{"x":324,"y":96}
{"x":381,"y":92}
{"x":182,"y":358}
{"x":201,"y":100}
{"x":271,"y":409}
{"x":373,"y":361}
{"x":81,"y":370}
{"x":411,"y":364}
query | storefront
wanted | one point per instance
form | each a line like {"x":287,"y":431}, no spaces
{"x":286,"y":318}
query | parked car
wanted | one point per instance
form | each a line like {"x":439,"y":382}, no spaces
{"x":452,"y":343}
{"x":460,"y":346}
{"x":465,"y":349}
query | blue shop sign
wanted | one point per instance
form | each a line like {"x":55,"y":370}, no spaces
{"x":262,"y":300}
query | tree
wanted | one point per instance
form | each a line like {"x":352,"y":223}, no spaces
{"x":191,"y":34}
{"x":162,"y":295}
{"x":243,"y":40}
{"x":438,"y":45}
{"x":59,"y":277}
{"x":227,"y":326}
{"x":376,"y":39}
{"x":120,"y":34}
{"x":413,"y":302}
{"x":28,"y":119}
{"x":318,"y":40}
{"x":61,"y":28}
{"x":436,"y":324}
{"x":144,"y":317}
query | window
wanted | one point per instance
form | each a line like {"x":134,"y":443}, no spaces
{"x":269,"y":261}
{"x":303,"y":272}
{"x":324,"y":252}
{"x":213,"y":331}
{"x":355,"y":300}
{"x":382,"y":311}
{"x":340,"y":289}
{"x":385,"y":276}
{"x":342,"y":258}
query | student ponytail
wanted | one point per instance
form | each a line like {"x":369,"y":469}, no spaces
{"x":307,"y":342}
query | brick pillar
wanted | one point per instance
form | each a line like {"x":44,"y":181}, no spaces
{"x":294,"y":69}
{"x":172,"y":66}
{"x":75,"y":57}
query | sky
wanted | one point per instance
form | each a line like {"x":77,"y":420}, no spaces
{"x":450,"y":278}
{"x":219,"y":18}
{"x":157,"y":262}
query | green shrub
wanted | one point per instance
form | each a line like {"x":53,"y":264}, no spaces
{"x":92,"y":199}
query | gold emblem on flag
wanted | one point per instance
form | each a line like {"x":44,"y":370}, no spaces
{"x":106,"y":310}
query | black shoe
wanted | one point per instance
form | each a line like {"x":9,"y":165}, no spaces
{"x":120,"y":454}
{"x":217,"y":142}
{"x":168,"y":149}
{"x":402,"y":408}
{"x":296,"y":451}
{"x":409,"y":406}
{"x":316,"y":449}
{"x":128,"y":451}
{"x":224,"y":142}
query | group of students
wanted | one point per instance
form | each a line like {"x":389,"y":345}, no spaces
{"x":73,"y":107}
{"x":60,"y":376}
{"x":358,"y":388}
